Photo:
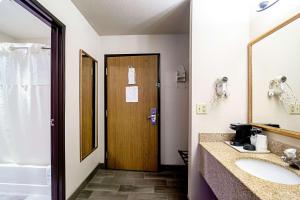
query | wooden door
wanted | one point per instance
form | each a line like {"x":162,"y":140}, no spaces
{"x":132,"y":138}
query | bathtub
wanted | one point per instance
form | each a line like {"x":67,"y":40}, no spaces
{"x":25,"y":179}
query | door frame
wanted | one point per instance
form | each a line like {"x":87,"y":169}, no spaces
{"x":58,"y":191}
{"x":106,"y":56}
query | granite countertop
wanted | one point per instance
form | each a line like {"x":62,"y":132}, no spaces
{"x":263,"y":189}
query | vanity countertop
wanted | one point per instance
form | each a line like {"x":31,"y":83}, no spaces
{"x":263,"y":189}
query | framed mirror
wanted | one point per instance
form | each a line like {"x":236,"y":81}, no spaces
{"x":88,"y":105}
{"x":274,"y":82}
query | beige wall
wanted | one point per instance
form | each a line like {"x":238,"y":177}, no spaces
{"x":5,"y":38}
{"x":174,"y":50}
{"x":79,"y":35}
{"x":219,"y":37}
{"x":46,"y":41}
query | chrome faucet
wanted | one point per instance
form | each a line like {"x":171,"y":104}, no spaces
{"x":290,"y":157}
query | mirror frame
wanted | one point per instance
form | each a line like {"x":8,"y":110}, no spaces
{"x":81,"y":53}
{"x":280,"y":131}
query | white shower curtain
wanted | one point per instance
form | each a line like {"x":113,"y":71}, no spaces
{"x":24,"y":104}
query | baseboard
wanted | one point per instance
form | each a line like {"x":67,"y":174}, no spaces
{"x":85,"y":182}
{"x":101,"y":166}
{"x":173,"y":167}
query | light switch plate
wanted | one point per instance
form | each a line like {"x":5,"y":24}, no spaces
{"x":201,"y":109}
{"x":294,"y":109}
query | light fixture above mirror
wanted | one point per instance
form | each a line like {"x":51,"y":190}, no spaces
{"x":264,"y":5}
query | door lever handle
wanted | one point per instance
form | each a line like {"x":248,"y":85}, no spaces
{"x":152,"y":117}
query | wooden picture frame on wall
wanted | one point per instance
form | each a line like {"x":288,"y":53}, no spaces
{"x":88,"y":100}
{"x":280,"y":131}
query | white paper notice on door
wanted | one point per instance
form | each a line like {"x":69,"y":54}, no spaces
{"x":131,"y":76}
{"x":132,"y":94}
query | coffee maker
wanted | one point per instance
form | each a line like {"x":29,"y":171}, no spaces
{"x":243,"y":134}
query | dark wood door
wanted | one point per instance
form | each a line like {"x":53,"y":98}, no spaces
{"x":132,"y":136}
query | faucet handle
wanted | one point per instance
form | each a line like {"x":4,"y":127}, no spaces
{"x":290,"y":153}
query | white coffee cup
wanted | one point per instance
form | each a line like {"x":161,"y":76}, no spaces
{"x":253,"y":140}
{"x":261,"y":142}
{"x":290,"y":153}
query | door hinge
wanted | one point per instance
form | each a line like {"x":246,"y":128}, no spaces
{"x":106,"y":155}
{"x":158,"y":84}
{"x":52,"y":122}
{"x":106,"y":71}
{"x":106,"y":113}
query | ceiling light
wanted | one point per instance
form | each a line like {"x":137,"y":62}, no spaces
{"x":265,"y":5}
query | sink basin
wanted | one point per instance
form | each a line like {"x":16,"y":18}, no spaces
{"x":268,"y":171}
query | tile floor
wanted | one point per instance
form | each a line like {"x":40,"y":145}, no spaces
{"x":23,"y":197}
{"x":128,"y":185}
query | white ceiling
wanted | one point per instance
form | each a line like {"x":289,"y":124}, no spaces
{"x":20,"y":24}
{"x":136,"y":17}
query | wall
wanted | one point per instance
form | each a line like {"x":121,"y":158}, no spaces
{"x":219,"y":37}
{"x":174,"y":51}
{"x":46,"y":41}
{"x":5,"y":38}
{"x":79,"y":35}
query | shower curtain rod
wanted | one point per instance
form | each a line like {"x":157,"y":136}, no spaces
{"x":15,"y":48}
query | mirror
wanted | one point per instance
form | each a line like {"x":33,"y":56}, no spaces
{"x":274,"y":82}
{"x":88,"y":105}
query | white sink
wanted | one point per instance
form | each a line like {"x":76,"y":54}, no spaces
{"x":268,"y":171}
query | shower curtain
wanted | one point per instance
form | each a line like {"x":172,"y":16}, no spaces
{"x":25,"y":75}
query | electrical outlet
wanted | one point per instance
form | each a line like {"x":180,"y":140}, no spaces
{"x":298,"y":109}
{"x":201,"y":109}
{"x":294,"y":109}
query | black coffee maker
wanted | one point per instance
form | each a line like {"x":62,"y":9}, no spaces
{"x":243,"y":134}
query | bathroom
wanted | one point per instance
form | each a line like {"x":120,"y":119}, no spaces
{"x":25,"y":104}
{"x":246,"y":51}
{"x":139,"y":103}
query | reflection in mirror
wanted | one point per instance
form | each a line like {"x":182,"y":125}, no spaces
{"x":275,"y":78}
{"x":88,"y":105}
{"x":25,"y":102}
